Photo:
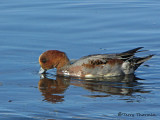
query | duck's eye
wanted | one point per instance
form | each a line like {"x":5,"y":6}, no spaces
{"x":43,"y":60}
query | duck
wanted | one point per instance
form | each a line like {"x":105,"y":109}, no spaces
{"x":95,"y":65}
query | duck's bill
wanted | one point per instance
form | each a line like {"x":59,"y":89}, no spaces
{"x":42,"y":71}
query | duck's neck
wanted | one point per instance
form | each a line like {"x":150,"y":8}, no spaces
{"x":62,"y":67}
{"x":62,"y":63}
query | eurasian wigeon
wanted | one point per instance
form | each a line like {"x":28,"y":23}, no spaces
{"x":97,"y":65}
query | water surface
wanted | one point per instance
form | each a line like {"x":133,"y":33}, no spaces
{"x":78,"y":28}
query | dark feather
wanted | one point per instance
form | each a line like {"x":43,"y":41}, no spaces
{"x":130,"y":53}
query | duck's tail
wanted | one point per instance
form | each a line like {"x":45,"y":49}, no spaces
{"x":130,"y":53}
{"x":138,"y":61}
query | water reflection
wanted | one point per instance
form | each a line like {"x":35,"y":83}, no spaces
{"x":53,"y":90}
{"x":123,"y":85}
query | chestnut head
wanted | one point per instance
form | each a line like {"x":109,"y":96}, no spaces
{"x":52,"y":59}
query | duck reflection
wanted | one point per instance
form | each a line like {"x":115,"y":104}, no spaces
{"x":122,"y":85}
{"x":53,"y":90}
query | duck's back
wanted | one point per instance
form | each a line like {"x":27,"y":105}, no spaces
{"x":107,"y":64}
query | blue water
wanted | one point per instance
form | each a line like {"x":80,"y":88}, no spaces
{"x":79,"y":28}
